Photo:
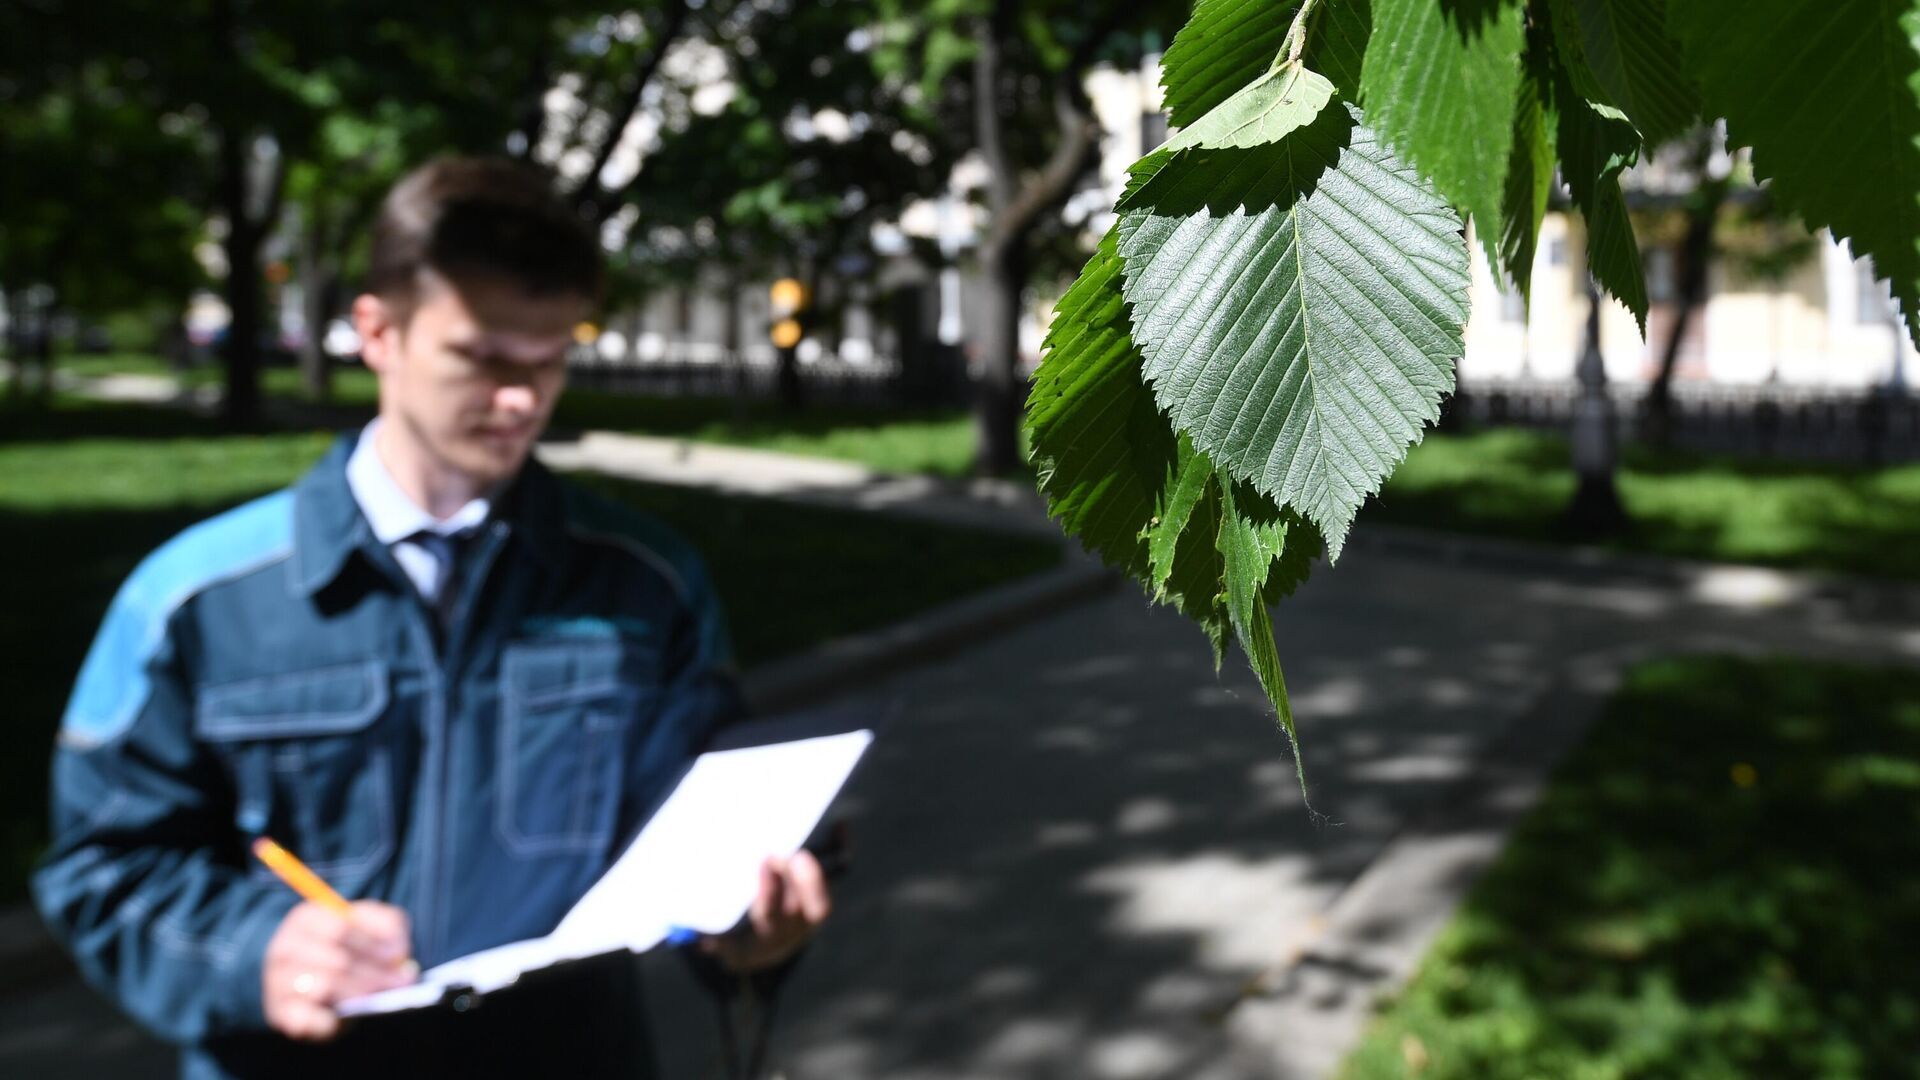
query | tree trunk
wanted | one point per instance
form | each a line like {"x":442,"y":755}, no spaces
{"x":1018,"y":202}
{"x":731,"y":344}
{"x":30,"y":334}
{"x":41,"y":355}
{"x":997,"y":393}
{"x":1696,"y":257}
{"x":316,"y":297}
{"x":15,"y":344}
{"x":241,"y":351}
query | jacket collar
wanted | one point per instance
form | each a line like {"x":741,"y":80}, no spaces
{"x":329,"y":526}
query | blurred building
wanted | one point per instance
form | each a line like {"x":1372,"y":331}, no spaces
{"x":1823,"y":322}
{"x":1814,"y":320}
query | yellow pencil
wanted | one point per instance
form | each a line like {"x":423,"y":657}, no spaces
{"x":299,"y":878}
{"x":312,"y":887}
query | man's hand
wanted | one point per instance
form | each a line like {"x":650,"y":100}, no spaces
{"x":317,"y":959}
{"x":791,"y":905}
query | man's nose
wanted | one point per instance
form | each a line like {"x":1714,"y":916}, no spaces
{"x":519,"y":400}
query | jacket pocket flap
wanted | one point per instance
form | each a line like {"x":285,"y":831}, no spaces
{"x":323,"y":701}
{"x":536,"y":676}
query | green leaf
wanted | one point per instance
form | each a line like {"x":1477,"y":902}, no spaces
{"x":1439,"y":85}
{"x":1298,"y":306}
{"x":1618,"y":52}
{"x":1115,"y":475}
{"x":1594,"y":150}
{"x":1828,"y":96}
{"x":1337,"y":42}
{"x":1613,"y":255}
{"x":1263,"y":111}
{"x":1142,"y":171}
{"x":1196,"y":579}
{"x":1192,"y":475}
{"x":1105,"y":455}
{"x":1251,"y":536}
{"x":1529,"y":178}
{"x":1101,"y":449}
{"x":1227,"y":44}
{"x":1294,"y":564}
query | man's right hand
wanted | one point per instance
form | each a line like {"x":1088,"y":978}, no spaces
{"x":317,"y":958}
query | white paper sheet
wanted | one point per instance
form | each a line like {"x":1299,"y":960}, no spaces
{"x":696,"y":865}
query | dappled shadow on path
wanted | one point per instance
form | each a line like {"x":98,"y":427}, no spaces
{"x":1072,"y":854}
{"x":1079,"y":845}
{"x":1079,"y":849}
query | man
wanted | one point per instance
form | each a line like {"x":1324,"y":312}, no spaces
{"x":449,"y":681}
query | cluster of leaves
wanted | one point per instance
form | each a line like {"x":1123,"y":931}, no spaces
{"x":1274,"y":317}
{"x":754,"y":185}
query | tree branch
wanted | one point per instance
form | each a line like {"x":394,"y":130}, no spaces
{"x":276,"y":194}
{"x":533,"y":114}
{"x":1079,"y":138}
{"x":590,"y":196}
{"x":1002,"y":171}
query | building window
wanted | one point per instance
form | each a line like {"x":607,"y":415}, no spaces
{"x":1153,"y":129}
{"x":1660,"y":276}
{"x":1557,"y":251}
{"x":1872,"y":297}
{"x":1513,"y":306}
{"x":683,"y":312}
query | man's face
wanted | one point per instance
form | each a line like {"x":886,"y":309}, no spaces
{"x":473,"y":372}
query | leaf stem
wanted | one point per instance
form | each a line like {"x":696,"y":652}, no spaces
{"x":1296,"y":41}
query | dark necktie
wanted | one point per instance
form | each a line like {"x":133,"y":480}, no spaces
{"x":447,"y":551}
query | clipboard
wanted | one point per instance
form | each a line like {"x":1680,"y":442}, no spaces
{"x":761,"y":787}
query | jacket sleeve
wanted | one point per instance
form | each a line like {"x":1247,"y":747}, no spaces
{"x":703,"y":681}
{"x":145,"y":878}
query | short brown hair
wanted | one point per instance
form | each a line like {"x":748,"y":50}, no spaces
{"x":464,"y":217}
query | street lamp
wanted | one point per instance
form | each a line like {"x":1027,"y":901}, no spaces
{"x":787,"y":302}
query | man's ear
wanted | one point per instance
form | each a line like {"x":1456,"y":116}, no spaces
{"x":375,"y":321}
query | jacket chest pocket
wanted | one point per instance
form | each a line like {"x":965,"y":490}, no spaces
{"x":567,"y":713}
{"x":308,"y":766}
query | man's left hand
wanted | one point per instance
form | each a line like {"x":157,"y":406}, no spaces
{"x":791,"y":904}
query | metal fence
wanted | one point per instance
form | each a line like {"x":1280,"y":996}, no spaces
{"x":934,"y":380}
{"x":1815,"y":424}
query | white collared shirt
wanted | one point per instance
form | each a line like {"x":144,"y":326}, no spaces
{"x":396,"y":518}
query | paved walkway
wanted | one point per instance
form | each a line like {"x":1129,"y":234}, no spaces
{"x":1082,"y":855}
{"x":1079,"y":853}
{"x":129,"y":387}
{"x":991,"y":504}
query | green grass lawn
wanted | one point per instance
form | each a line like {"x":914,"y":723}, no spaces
{"x":1516,"y":483}
{"x":87,"y":490}
{"x":1720,"y":883}
{"x":1505,"y":482}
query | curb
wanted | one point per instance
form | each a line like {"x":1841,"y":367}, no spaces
{"x":847,"y":663}
{"x":29,"y":955}
{"x":1374,"y":932}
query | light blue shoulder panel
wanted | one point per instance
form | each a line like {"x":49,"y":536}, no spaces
{"x":114,"y":684}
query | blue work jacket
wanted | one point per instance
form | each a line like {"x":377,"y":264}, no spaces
{"x":272,"y":672}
